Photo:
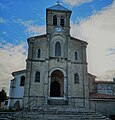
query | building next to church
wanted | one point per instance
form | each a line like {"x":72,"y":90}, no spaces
{"x":106,"y":87}
{"x":56,"y":66}
{"x":17,"y":89}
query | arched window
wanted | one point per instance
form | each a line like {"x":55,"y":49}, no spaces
{"x":55,"y":20}
{"x":37,"y":76}
{"x":22,"y":81}
{"x":76,"y":78}
{"x":38,"y":53}
{"x":76,"y":55}
{"x":57,"y":49}
{"x":62,"y":21}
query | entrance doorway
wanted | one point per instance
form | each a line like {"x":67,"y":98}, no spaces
{"x":55,"y":89}
{"x":57,"y":84}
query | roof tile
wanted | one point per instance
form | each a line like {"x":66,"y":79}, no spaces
{"x":59,"y":7}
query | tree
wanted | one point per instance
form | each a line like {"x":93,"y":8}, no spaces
{"x":3,"y":96}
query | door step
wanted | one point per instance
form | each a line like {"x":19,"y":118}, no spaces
{"x":57,"y":102}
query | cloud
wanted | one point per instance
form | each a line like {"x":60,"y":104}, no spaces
{"x":35,"y":30}
{"x":3,"y":6}
{"x":5,"y":33}
{"x":13,"y":59}
{"x":99,"y":32}
{"x":2,"y":20}
{"x":31,"y":29}
{"x":75,"y":2}
{"x":107,"y":76}
{"x":111,"y":51}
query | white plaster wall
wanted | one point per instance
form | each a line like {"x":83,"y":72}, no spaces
{"x":19,"y":90}
{"x":16,"y":92}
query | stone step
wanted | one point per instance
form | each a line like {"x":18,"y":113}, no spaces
{"x":64,"y":112}
{"x":61,"y":113}
{"x":36,"y":116}
{"x":62,"y":118}
{"x":57,"y":102}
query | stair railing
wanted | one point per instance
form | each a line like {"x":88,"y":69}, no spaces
{"x":26,"y":108}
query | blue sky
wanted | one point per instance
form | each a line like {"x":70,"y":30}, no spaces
{"x":91,"y":20}
{"x":13,"y":10}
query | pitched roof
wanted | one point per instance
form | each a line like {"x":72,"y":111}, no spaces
{"x":92,"y":75}
{"x":105,"y":82}
{"x":59,"y":7}
{"x":35,"y":37}
{"x":19,"y":72}
{"x":84,"y":42}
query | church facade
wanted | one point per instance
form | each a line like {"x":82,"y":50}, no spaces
{"x":56,"y":63}
{"x":56,"y":70}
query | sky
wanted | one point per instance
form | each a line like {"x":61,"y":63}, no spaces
{"x":91,"y":21}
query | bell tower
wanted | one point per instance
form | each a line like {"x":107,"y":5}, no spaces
{"x":58,"y":19}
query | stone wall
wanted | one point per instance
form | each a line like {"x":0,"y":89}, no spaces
{"x":103,"y":106}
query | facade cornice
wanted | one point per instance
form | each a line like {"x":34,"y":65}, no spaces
{"x":58,"y":59}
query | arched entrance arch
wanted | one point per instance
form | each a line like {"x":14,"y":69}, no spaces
{"x":57,"y":78}
{"x":57,"y":84}
{"x":60,"y":69}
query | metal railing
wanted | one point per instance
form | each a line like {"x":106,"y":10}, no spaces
{"x":40,"y":101}
{"x":25,"y":109}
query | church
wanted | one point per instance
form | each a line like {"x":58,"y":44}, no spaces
{"x":56,"y":66}
{"x":56,"y":63}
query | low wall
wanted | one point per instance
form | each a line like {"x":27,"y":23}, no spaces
{"x":103,"y":106}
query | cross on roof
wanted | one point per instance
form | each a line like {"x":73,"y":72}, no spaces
{"x":58,"y":2}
